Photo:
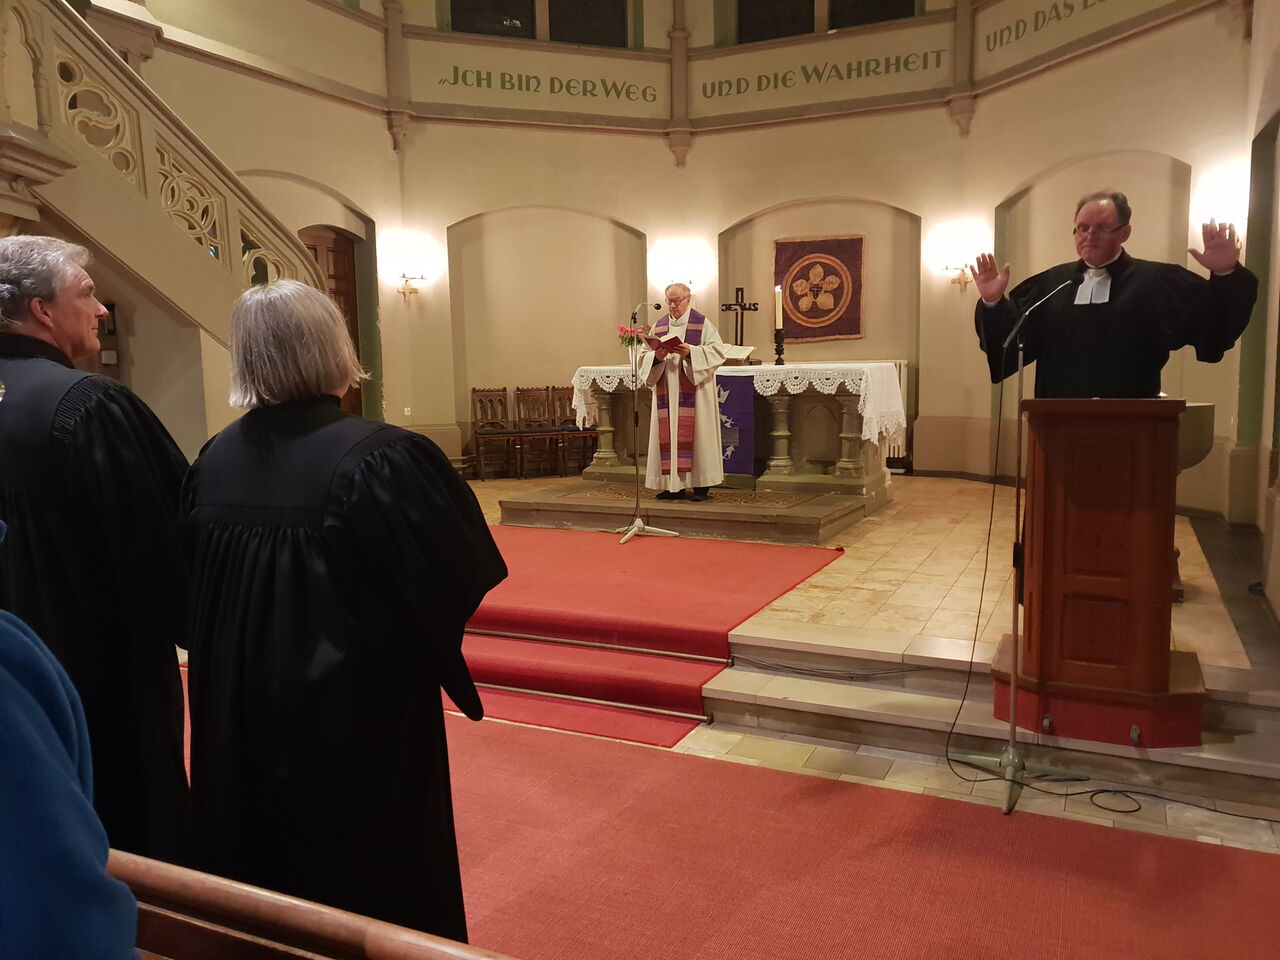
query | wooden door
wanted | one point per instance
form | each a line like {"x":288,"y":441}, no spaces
{"x":336,"y":254}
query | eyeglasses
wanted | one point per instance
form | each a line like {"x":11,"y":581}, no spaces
{"x":1083,"y":230}
{"x":675,"y":300}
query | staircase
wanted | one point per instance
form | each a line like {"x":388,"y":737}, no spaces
{"x":646,"y":695}
{"x":89,"y":152}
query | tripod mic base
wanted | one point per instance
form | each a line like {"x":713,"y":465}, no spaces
{"x":1015,"y":771}
{"x":638,"y":527}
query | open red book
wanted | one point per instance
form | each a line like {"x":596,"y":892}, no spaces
{"x":668,"y":343}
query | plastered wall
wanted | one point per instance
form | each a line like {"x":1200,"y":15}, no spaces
{"x":1176,"y":95}
{"x":891,"y":274}
{"x":569,"y":279}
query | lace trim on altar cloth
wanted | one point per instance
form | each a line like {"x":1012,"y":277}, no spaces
{"x":608,"y":379}
{"x":875,"y":385}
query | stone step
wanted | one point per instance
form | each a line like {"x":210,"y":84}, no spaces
{"x":1241,"y":765}
{"x":1236,"y":700}
{"x":795,"y":518}
{"x":1246,"y":700}
{"x":922,"y":664}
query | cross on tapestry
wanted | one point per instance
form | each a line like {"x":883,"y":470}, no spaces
{"x":821,"y":282}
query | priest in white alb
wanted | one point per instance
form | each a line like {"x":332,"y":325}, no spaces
{"x":679,"y":363}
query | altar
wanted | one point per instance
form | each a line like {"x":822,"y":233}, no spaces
{"x":815,"y":427}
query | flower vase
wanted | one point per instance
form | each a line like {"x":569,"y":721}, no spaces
{"x":633,"y":354}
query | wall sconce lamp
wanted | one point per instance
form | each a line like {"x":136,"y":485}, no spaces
{"x":961,"y":278}
{"x":948,"y":245}
{"x":406,"y":288}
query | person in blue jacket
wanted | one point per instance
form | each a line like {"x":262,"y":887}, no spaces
{"x":56,"y":898}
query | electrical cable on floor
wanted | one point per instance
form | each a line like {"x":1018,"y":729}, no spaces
{"x":977,"y":617}
{"x":1094,"y":793}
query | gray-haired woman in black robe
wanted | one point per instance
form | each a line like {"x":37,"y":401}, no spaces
{"x":335,"y":562}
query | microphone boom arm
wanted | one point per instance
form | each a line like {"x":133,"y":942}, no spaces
{"x":1017,"y":327}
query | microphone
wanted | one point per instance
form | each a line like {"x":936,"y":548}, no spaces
{"x":657,"y":306}
{"x":1023,"y":319}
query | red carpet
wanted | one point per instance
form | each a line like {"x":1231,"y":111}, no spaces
{"x":683,"y":595}
{"x":649,"y":681}
{"x":618,"y":676}
{"x":581,"y":849}
{"x":599,"y":719}
{"x":673,"y":596}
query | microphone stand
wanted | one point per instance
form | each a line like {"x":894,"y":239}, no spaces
{"x":1010,"y":764}
{"x":637,"y":525}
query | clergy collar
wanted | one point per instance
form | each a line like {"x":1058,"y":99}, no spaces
{"x":21,"y":345}
{"x":1116,"y":267}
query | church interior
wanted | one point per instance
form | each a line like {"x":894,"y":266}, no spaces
{"x":489,"y":190}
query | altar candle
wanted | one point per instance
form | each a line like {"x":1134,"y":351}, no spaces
{"x":777,"y":308}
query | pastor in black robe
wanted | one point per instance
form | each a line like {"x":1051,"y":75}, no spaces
{"x":1116,"y":349}
{"x":89,"y":485}
{"x":335,"y":562}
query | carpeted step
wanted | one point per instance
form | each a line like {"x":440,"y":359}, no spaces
{"x":597,"y":719}
{"x":681,"y":595}
{"x":614,"y":676}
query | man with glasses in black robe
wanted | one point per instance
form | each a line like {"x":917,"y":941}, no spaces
{"x":1109,"y":331}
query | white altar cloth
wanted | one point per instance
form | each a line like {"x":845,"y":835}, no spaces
{"x":875,"y":384}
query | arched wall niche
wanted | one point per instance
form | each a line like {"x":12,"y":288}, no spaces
{"x":891,"y":276}
{"x":299,"y":201}
{"x":1033,"y":231}
{"x":891,"y":273}
{"x":1033,"y":224}
{"x":516,"y":320}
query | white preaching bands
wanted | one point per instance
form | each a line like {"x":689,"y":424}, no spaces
{"x":1096,"y":286}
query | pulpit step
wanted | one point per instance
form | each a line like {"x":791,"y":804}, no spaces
{"x":1243,"y":767}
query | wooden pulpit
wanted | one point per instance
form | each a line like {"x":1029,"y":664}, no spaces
{"x":1095,"y":660}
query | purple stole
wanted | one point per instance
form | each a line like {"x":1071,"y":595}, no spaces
{"x":684,"y":419}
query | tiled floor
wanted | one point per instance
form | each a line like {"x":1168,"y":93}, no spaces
{"x":918,"y":569}
{"x":1253,"y":827}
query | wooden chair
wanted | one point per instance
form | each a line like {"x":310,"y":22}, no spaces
{"x":539,"y":443}
{"x":577,"y":445}
{"x":492,"y":427}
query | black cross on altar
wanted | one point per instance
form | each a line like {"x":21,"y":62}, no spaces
{"x":740,"y":306}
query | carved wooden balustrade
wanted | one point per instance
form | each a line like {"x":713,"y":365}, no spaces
{"x":88,"y":148}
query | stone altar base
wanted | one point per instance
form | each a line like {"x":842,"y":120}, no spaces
{"x":806,"y":518}
{"x":875,"y":489}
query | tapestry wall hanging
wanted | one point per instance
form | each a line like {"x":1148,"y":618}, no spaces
{"x":821,"y":282}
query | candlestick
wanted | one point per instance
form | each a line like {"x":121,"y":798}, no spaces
{"x":777,"y":308}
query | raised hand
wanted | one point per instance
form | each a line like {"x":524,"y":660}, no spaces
{"x":991,"y":282}
{"x":1221,"y":247}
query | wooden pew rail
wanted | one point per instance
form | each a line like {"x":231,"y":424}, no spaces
{"x":187,"y":915}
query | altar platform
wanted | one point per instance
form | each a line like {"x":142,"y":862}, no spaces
{"x":870,"y":658}
{"x":796,"y":517}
